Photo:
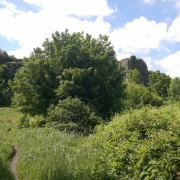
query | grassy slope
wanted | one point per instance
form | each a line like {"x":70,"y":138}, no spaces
{"x":117,"y":150}
{"x":7,"y":120}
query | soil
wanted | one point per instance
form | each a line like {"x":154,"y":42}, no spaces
{"x":14,"y":161}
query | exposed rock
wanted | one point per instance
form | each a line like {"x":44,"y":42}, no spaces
{"x":136,"y":63}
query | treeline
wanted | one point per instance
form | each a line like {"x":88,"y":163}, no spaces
{"x":8,"y":67}
{"x":160,"y":89}
{"x":75,"y":83}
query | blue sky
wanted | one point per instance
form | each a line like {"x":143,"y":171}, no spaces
{"x":148,"y":29}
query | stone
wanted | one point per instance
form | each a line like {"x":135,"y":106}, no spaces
{"x":136,"y":63}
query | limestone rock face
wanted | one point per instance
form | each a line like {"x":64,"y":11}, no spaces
{"x":133,"y":63}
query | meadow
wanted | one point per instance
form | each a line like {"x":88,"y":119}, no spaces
{"x":138,"y":144}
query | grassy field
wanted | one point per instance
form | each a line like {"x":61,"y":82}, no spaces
{"x":140,"y":144}
{"x":7,"y":122}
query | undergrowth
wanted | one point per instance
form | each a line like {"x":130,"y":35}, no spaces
{"x":7,"y":116}
{"x":140,"y":144}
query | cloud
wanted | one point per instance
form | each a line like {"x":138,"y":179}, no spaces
{"x":76,"y":7}
{"x":121,"y":56}
{"x":139,"y":36}
{"x":174,"y":30}
{"x":171,"y":64}
{"x":148,"y":61}
{"x":30,"y":29}
{"x":149,"y":1}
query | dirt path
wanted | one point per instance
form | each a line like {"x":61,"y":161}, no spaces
{"x":14,"y":161}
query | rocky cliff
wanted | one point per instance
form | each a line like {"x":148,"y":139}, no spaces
{"x":136,"y":63}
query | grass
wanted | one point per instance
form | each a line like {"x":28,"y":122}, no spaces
{"x":7,"y":120}
{"x":141,"y":144}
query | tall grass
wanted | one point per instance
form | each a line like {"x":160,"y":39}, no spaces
{"x":7,"y":117}
{"x":141,"y":144}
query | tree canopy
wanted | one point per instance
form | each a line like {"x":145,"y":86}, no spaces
{"x":159,"y":83}
{"x":70,"y":65}
{"x":174,"y":89}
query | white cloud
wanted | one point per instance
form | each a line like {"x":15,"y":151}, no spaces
{"x":139,"y":36}
{"x":174,"y":30}
{"x":177,"y":5}
{"x":149,"y":1}
{"x":30,"y":29}
{"x":171,"y":64}
{"x":148,"y":61}
{"x":76,"y":7}
{"x":121,"y":56}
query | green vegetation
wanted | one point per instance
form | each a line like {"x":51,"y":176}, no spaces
{"x":134,"y":76}
{"x":159,"y":83}
{"x":7,"y":121}
{"x":174,"y":89}
{"x":143,"y":144}
{"x":140,"y":144}
{"x":138,"y":95}
{"x":8,"y":67}
{"x":72,"y":115}
{"x":74,"y":65}
{"x":81,"y":119}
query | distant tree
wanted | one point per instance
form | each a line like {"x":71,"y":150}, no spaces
{"x":159,"y":83}
{"x":139,"y":95}
{"x":3,"y":84}
{"x":134,"y":76}
{"x":4,"y":57}
{"x":6,"y":74}
{"x":70,"y":65}
{"x":174,"y":89}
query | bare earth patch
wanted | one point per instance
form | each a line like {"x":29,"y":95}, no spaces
{"x":14,"y":161}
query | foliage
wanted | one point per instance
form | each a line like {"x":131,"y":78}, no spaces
{"x":33,"y":87}
{"x":143,"y":144}
{"x":5,"y":93}
{"x":138,"y":96}
{"x":134,"y":76}
{"x":7,"y":115}
{"x":27,"y":120}
{"x":159,"y":83}
{"x":5,"y":75}
{"x":72,"y":115}
{"x":4,"y":57}
{"x":174,"y":89}
{"x":64,"y":64}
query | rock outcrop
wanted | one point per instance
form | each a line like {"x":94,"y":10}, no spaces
{"x":136,"y":63}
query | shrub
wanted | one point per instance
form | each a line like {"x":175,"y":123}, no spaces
{"x":143,"y":144}
{"x":30,"y":121}
{"x":138,"y":96}
{"x":72,"y":114}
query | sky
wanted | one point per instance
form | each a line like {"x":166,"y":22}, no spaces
{"x":148,"y":29}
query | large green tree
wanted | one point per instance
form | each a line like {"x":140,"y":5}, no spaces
{"x":159,"y":83}
{"x":74,"y":65}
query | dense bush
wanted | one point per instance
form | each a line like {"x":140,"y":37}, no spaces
{"x":72,"y":115}
{"x":138,"y":96}
{"x":27,"y":120}
{"x":144,"y":144}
